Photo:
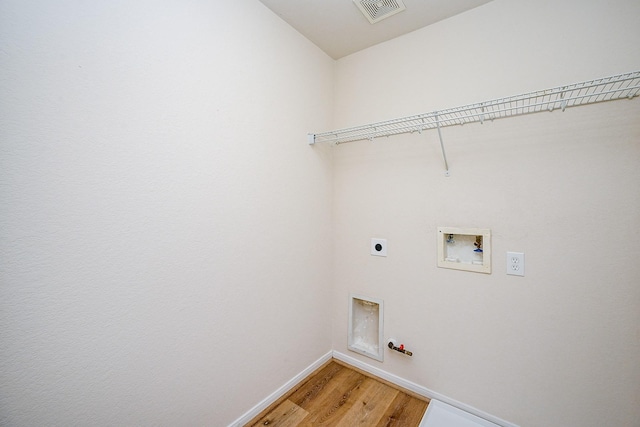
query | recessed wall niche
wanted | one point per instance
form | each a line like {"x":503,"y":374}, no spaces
{"x":366,"y":326}
{"x":466,"y":249}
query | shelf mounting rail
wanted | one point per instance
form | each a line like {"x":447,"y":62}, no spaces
{"x":621,"y":86}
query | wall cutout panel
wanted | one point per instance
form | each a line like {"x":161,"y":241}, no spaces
{"x":466,"y":249}
{"x":366,"y":326}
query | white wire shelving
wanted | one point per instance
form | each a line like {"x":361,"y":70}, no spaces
{"x":621,"y":86}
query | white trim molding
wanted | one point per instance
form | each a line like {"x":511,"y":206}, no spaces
{"x":377,"y":372}
{"x":418,"y":389}
{"x":253,"y":412}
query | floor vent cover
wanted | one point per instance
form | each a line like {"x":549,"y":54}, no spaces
{"x":377,"y":10}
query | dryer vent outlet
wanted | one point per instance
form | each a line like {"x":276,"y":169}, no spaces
{"x":377,"y":10}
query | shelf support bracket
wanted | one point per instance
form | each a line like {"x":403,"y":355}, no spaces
{"x":444,"y":154}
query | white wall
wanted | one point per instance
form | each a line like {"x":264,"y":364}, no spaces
{"x":165,"y":230}
{"x":163,"y":223}
{"x":560,"y":346}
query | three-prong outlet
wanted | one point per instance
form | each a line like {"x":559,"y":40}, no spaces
{"x":515,"y":263}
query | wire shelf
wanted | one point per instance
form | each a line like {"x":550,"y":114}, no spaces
{"x":622,"y":86}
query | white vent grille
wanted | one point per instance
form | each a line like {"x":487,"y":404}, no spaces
{"x":377,"y":10}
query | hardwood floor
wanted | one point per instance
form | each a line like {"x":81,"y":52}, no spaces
{"x":341,"y":396}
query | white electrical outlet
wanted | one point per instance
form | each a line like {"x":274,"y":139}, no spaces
{"x":515,"y":263}
{"x":379,"y":247}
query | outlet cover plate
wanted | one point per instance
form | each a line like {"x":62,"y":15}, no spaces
{"x":515,"y":263}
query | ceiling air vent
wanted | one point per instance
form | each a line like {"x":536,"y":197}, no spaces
{"x":377,"y":10}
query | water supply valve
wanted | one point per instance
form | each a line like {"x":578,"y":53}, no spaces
{"x":393,"y":345}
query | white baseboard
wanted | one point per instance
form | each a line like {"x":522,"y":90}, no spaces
{"x":418,"y":389}
{"x":253,"y":412}
{"x":394,"y":379}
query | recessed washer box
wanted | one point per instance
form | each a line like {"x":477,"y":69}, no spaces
{"x":467,"y":249}
{"x":366,"y":326}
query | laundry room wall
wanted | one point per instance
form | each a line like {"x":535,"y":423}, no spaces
{"x":560,"y":345}
{"x":163,"y":224}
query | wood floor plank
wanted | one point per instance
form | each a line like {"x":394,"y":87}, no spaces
{"x":372,"y":402}
{"x":335,"y":403}
{"x":403,"y":411}
{"x":287,"y":414}
{"x":390,"y":384}
{"x":316,"y":384}
{"x":289,"y":393}
{"x":337,"y":395}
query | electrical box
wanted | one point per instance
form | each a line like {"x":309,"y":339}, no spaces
{"x":466,"y":249}
{"x":365,"y":326}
